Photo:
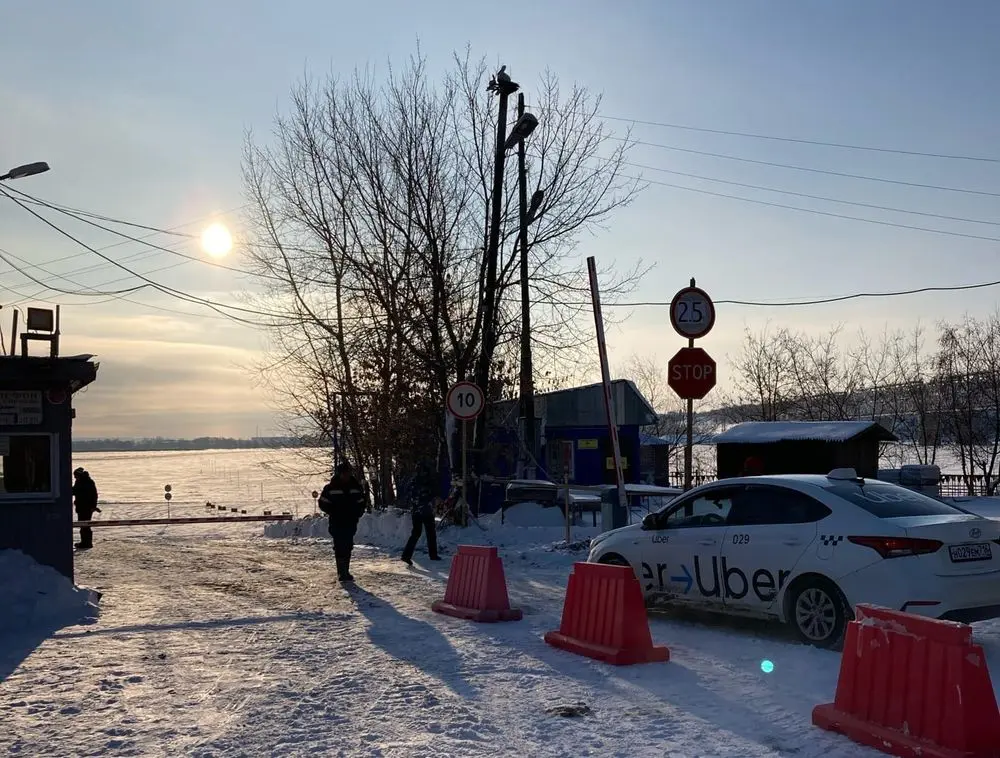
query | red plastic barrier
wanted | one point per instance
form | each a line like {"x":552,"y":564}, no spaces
{"x":477,"y":587}
{"x":604,"y":617}
{"x":913,"y":686}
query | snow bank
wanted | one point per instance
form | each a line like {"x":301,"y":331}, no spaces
{"x":33,"y":595}
{"x":390,"y":530}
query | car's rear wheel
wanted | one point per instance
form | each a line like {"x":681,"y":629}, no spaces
{"x":818,"y":612}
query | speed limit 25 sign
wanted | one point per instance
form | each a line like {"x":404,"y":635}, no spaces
{"x":465,"y":401}
{"x":692,"y":313}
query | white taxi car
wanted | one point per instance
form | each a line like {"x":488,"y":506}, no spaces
{"x":805,"y":549}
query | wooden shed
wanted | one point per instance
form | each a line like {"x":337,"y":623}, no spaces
{"x":802,"y":447}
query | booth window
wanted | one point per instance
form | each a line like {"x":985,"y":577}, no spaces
{"x":26,"y":464}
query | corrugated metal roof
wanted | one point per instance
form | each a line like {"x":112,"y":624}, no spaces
{"x":814,"y":431}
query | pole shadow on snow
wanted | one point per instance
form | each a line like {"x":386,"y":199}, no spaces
{"x":416,"y":642}
{"x":202,"y":625}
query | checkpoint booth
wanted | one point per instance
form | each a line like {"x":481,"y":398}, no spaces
{"x":36,"y":479}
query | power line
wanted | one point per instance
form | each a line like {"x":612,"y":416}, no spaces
{"x":824,"y":300}
{"x":150,"y":282}
{"x":829,"y":214}
{"x":814,"y":197}
{"x":793,"y":167}
{"x":800,"y":141}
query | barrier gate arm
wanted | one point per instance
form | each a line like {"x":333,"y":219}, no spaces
{"x":192,"y":520}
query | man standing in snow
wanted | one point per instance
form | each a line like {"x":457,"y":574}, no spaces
{"x":343,"y":501}
{"x":85,"y":501}
{"x":422,"y":514}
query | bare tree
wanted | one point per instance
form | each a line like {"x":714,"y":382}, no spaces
{"x":917,"y":396}
{"x":764,"y":386}
{"x":649,"y":374}
{"x":370,"y":210}
{"x":969,"y":374}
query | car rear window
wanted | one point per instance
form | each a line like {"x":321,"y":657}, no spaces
{"x":891,"y":501}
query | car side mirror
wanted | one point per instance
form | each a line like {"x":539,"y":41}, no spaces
{"x":649,"y":521}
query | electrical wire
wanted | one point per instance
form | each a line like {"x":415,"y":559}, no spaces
{"x":793,"y":167}
{"x":819,"y":301}
{"x":814,"y":197}
{"x":829,"y":214}
{"x":796,"y":140}
{"x":180,"y":295}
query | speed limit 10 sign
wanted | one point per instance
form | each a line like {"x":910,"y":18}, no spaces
{"x":465,"y":401}
{"x":692,"y":313}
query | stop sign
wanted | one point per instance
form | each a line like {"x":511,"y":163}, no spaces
{"x":691,"y":373}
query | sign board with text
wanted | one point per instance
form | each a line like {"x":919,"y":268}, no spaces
{"x":692,"y":313}
{"x":465,"y":401}
{"x":691,"y":373}
{"x":20,"y":407}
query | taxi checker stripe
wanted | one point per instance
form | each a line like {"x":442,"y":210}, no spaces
{"x":830,"y":539}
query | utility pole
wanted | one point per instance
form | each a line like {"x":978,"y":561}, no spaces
{"x":527,"y":371}
{"x":502,"y":85}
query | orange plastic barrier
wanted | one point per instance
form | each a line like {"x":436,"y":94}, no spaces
{"x":604,"y":617}
{"x":477,"y":587}
{"x":913,"y":686}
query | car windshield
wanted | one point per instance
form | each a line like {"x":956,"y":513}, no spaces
{"x":891,"y":501}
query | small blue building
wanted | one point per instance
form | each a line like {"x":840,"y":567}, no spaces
{"x":36,"y":420}
{"x":570,"y":421}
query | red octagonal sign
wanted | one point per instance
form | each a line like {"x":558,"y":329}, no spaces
{"x":691,"y":373}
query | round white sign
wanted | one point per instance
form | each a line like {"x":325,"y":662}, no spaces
{"x":465,"y":401}
{"x":692,"y":313}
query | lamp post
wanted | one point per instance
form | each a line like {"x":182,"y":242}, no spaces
{"x":525,"y":125}
{"x":28,"y":169}
{"x":503,"y":87}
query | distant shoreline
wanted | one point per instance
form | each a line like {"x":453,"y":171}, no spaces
{"x":200,"y":443}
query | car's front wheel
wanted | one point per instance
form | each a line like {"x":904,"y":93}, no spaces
{"x":818,"y":612}
{"x":613,"y":559}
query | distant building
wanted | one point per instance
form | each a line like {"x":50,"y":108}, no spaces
{"x":570,"y":421}
{"x":802,"y":447}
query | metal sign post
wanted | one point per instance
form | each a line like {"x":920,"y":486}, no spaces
{"x":692,"y":315}
{"x":465,"y":402}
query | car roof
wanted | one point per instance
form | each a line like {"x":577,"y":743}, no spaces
{"x":814,"y":480}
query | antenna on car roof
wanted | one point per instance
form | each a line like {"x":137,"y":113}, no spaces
{"x":845,"y":475}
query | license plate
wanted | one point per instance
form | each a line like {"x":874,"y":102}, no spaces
{"x":963,"y":553}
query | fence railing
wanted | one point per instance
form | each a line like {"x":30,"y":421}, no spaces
{"x":952,"y":485}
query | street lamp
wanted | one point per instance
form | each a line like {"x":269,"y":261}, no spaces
{"x":28,"y":169}
{"x":501,"y":85}
{"x":526,"y":124}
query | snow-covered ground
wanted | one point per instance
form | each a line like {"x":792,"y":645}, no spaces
{"x":224,"y":642}
{"x":218,"y":641}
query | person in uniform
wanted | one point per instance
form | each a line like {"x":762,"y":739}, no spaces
{"x":85,"y":502}
{"x":422,"y":499}
{"x":343,"y":501}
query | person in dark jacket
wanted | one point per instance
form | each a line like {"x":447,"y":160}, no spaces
{"x":422,"y":515}
{"x":343,"y":501}
{"x":85,"y":502}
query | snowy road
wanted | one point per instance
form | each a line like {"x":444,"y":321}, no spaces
{"x":247,"y":646}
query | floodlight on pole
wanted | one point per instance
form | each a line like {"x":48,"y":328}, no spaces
{"x":522,"y":130}
{"x":28,"y":169}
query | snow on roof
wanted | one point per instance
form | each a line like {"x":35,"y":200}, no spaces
{"x":782,"y":431}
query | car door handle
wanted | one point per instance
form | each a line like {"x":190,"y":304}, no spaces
{"x":792,"y":543}
{"x":708,"y":542}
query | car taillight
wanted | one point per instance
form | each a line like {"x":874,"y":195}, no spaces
{"x":898,"y":547}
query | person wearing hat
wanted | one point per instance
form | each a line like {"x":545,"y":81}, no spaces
{"x":343,"y":501}
{"x":85,"y":502}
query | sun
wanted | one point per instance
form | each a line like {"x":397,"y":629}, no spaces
{"x":216,"y":240}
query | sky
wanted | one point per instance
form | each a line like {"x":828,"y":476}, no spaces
{"x":141,"y":109}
